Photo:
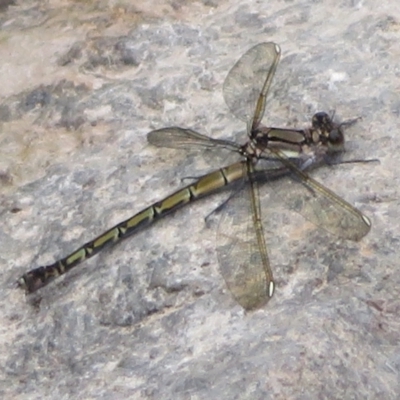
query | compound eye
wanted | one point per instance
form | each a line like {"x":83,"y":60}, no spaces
{"x":320,"y":120}
{"x":336,"y":137}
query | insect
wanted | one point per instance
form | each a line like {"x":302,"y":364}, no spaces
{"x":269,"y":155}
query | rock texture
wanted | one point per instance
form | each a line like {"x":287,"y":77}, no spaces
{"x":81,"y":85}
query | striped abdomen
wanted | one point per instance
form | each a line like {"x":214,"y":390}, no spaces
{"x":41,"y":276}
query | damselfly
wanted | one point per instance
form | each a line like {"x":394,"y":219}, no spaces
{"x":269,"y":154}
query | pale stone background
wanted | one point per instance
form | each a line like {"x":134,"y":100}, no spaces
{"x":82,"y":82}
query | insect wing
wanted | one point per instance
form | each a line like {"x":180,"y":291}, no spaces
{"x":301,"y":193}
{"x":241,"y":249}
{"x":179,"y":138}
{"x":247,"y":84}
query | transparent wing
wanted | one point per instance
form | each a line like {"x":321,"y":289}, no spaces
{"x":247,"y":84}
{"x":180,"y":138}
{"x":241,"y":249}
{"x":299,"y":192}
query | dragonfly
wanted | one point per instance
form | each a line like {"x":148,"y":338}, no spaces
{"x":269,"y":156}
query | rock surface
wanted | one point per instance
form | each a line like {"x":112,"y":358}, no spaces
{"x":82,"y":83}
